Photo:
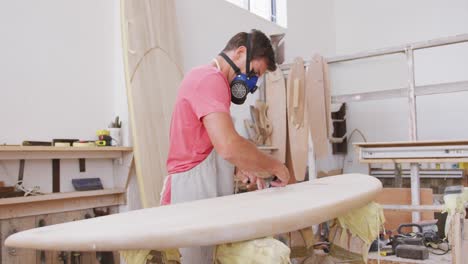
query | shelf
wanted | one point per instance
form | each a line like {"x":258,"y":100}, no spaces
{"x":423,"y":173}
{"x":418,"y":160}
{"x":419,"y":208}
{"x":40,"y":152}
{"x":411,"y":143}
{"x":59,"y":202}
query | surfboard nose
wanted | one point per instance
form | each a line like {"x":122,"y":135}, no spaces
{"x":12,"y":240}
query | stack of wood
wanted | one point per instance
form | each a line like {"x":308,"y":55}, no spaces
{"x":259,"y":128}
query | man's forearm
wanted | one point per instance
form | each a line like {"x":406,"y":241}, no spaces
{"x":246,"y":156}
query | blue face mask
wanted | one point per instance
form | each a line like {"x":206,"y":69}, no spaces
{"x":242,"y":83}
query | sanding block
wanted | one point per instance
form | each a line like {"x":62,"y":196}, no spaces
{"x":87,"y":184}
{"x":412,"y":252}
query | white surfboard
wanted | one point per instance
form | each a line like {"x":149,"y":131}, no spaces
{"x":208,"y":222}
{"x":153,"y":73}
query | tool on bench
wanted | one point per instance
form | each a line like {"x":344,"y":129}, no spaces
{"x":36,"y":143}
{"x":87,"y":184}
{"x":64,"y":142}
{"x":409,"y":245}
{"x":269,"y":180}
{"x":104,"y":138}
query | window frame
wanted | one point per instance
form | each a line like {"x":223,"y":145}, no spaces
{"x":272,"y":17}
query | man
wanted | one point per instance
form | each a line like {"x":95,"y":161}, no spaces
{"x":204,"y":146}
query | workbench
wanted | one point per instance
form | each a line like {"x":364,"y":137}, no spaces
{"x":21,"y":213}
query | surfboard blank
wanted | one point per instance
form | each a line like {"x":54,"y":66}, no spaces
{"x":153,"y":74}
{"x":211,"y":221}
{"x":316,"y":106}
{"x":298,"y":128}
{"x":276,"y":99}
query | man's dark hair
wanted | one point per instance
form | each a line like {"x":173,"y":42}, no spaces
{"x":260,"y":46}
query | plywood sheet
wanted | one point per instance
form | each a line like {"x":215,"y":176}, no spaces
{"x":275,"y":91}
{"x":298,"y":129}
{"x":211,"y":221}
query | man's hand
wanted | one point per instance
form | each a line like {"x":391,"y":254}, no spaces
{"x":282,"y":175}
{"x":242,"y":153}
{"x":250,"y":178}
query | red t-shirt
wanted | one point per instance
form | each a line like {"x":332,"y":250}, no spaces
{"x":204,"y":90}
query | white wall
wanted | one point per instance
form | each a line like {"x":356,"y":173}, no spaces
{"x":311,"y":29}
{"x":365,"y":24}
{"x":205,"y":28}
{"x":62,"y":69}
{"x":57,"y":73}
{"x":57,"y":80}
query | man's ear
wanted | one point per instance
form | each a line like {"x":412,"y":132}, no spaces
{"x":239,"y":52}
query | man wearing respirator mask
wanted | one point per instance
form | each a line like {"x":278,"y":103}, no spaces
{"x":204,"y":146}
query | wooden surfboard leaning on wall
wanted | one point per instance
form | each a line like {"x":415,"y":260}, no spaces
{"x":153,"y":73}
{"x":275,"y":91}
{"x":317,"y":106}
{"x":298,"y":128}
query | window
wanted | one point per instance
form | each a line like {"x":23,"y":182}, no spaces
{"x":273,"y":10}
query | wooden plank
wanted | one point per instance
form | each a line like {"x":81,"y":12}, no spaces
{"x":298,"y":128}
{"x":39,"y":152}
{"x":56,"y":175}
{"x":402,"y":196}
{"x":153,"y":72}
{"x":59,"y":196}
{"x":28,"y":206}
{"x":411,"y":208}
{"x":411,"y":143}
{"x":402,"y":48}
{"x":465,"y":230}
{"x":418,"y":160}
{"x":275,"y":93}
{"x":16,"y":255}
{"x":455,"y":238}
{"x":465,"y":242}
{"x":63,"y":149}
